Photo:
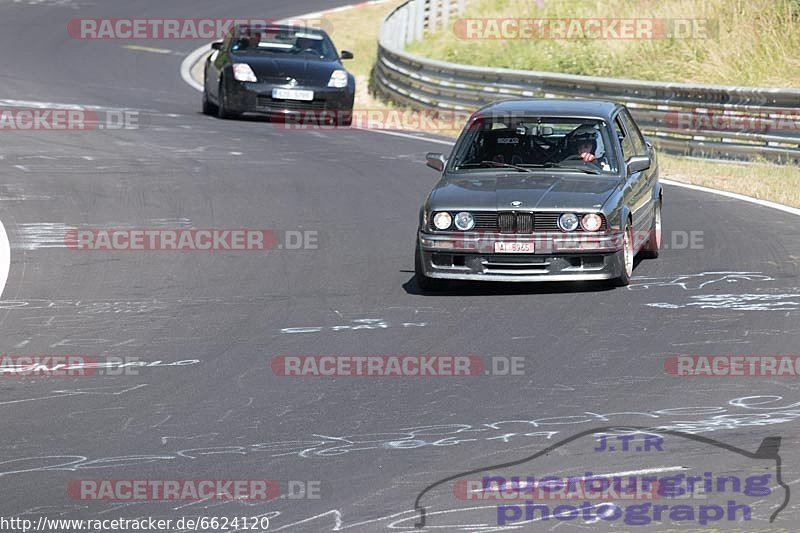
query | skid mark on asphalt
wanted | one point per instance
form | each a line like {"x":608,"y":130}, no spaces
{"x":361,"y":324}
{"x":737,"y":302}
{"x":693,"y":282}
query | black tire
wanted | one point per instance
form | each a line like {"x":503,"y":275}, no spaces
{"x":344,"y":119}
{"x":222,"y":102}
{"x":653,"y":246}
{"x":424,"y":283}
{"x":208,"y":107}
{"x":628,"y":255}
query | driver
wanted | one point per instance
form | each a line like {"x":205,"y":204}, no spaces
{"x":305,"y":43}
{"x":588,"y":146}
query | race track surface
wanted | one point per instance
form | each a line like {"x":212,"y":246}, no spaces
{"x":593,"y":356}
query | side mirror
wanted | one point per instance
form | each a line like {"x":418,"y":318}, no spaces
{"x":216,"y":46}
{"x":638,"y":164}
{"x":436,"y":161}
{"x":346,"y":55}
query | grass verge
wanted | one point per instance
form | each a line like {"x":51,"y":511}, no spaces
{"x":726,"y":42}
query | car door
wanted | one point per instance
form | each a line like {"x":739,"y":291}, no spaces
{"x":643,"y":149}
{"x":636,"y":186}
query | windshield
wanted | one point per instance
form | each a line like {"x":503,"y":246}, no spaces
{"x":282,"y":41}
{"x":530,"y":143}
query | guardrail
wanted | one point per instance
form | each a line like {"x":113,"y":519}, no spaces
{"x":696,"y":120}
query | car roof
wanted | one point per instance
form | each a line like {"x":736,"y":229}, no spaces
{"x":555,"y":107}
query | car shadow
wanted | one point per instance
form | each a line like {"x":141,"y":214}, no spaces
{"x":500,"y":288}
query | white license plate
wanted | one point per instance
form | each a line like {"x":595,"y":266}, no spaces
{"x":513,"y":247}
{"x":293,"y":94}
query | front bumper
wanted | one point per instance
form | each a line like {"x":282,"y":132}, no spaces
{"x":555,"y":257}
{"x":250,"y":97}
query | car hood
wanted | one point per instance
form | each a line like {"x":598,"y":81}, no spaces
{"x":534,"y":190}
{"x":299,"y":68}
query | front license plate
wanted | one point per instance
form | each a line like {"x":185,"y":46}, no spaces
{"x":513,"y":247}
{"x":293,"y":94}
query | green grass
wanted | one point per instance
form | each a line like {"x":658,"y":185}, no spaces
{"x":752,"y":42}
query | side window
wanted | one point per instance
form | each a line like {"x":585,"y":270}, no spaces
{"x":627,"y":146}
{"x":633,"y":132}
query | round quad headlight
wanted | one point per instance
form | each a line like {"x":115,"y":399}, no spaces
{"x":591,"y":222}
{"x":442,"y":220}
{"x":465,"y":221}
{"x":568,"y":222}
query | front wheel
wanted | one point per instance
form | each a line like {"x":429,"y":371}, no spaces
{"x":425,"y":283}
{"x":628,"y":254}
{"x":208,"y":107}
{"x":344,"y":118}
{"x":222,"y":105}
{"x":653,"y":246}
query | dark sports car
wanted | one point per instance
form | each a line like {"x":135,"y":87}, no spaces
{"x":287,"y":72}
{"x":541,"y":190}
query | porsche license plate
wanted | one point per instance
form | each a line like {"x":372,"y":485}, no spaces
{"x":513,"y":247}
{"x":293,"y":94}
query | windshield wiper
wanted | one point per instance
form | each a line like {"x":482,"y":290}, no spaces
{"x":578,"y":169}
{"x":584,"y":170}
{"x":495,"y":164}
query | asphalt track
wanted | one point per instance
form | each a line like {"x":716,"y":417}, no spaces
{"x":593,"y":356}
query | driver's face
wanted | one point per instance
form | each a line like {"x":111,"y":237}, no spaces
{"x":584,"y":148}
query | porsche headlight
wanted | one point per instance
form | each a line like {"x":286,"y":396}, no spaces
{"x":243,"y":72}
{"x":465,"y":221}
{"x":568,"y":222}
{"x":338,"y":79}
{"x":442,"y":220}
{"x":591,"y":222}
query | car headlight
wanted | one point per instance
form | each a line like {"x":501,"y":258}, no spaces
{"x":243,"y":72}
{"x":465,"y":221}
{"x":568,"y":222}
{"x":339,"y":79}
{"x":442,"y":220}
{"x":591,"y":222}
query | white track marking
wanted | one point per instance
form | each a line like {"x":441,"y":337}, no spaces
{"x":138,"y":48}
{"x":5,"y":258}
{"x":735,"y":196}
{"x":189,"y":62}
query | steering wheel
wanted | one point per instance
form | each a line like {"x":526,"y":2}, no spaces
{"x":575,"y":158}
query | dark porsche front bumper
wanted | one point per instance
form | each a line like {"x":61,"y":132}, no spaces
{"x":555,"y":257}
{"x":328,"y":102}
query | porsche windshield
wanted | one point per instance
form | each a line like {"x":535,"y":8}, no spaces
{"x":531,"y":143}
{"x":283,"y":42}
